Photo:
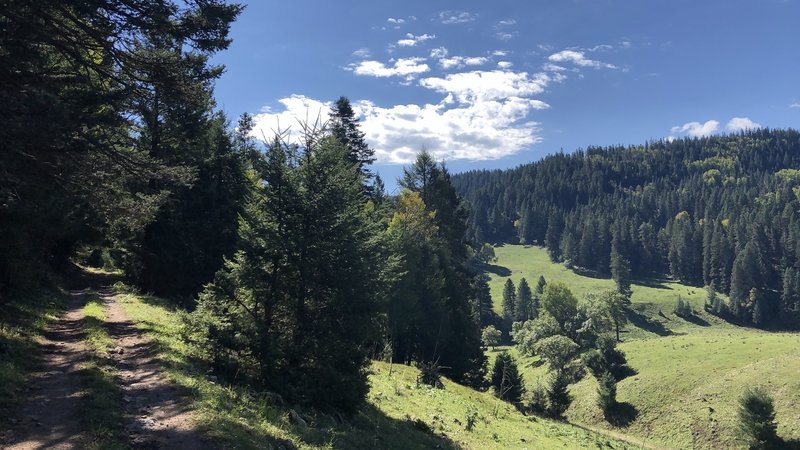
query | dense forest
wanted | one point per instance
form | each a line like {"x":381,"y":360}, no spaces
{"x":298,"y":268}
{"x":718,"y":211}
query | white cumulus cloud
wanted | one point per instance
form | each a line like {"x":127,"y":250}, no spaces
{"x":482,"y":115}
{"x":396,"y":21}
{"x":505,"y":64}
{"x":741,"y":124}
{"x":412,"y":40}
{"x":461,"y":61}
{"x":403,"y":67}
{"x":479,"y":85}
{"x":578,"y":58}
{"x":295,"y":109}
{"x":695,"y":129}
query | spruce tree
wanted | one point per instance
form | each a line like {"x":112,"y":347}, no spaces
{"x":298,"y":304}
{"x":345,"y":127}
{"x":509,"y":301}
{"x":607,"y":393}
{"x":506,"y":380}
{"x":558,"y":396}
{"x":757,"y":425}
{"x":522,"y":310}
{"x":620,"y":270}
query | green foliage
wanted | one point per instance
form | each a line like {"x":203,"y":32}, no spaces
{"x":431,"y":304}
{"x":490,"y":336}
{"x":607,"y":393}
{"x":683,"y":308}
{"x":606,"y":358}
{"x":344,"y":127}
{"x":560,"y":303}
{"x":506,"y":380}
{"x":486,"y":254}
{"x":509,"y":301}
{"x":95,"y":133}
{"x":527,"y":334}
{"x":558,"y":351}
{"x":296,"y":308}
{"x":525,"y":307}
{"x":757,"y":419}
{"x":558,"y":396}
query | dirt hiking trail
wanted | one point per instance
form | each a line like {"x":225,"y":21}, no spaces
{"x":157,"y":415}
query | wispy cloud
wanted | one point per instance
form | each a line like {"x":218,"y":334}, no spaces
{"x":452,"y":17}
{"x":403,"y":67}
{"x":506,"y":23}
{"x":362,"y":53}
{"x":505,"y":35}
{"x":505,"y":64}
{"x":578,"y":58}
{"x":795,"y":105}
{"x":412,"y":40}
{"x":396,"y":21}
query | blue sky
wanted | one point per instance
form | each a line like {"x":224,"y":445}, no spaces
{"x":496,"y":84}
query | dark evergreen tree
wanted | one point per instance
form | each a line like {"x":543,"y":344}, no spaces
{"x":757,"y":420}
{"x":345,"y":127}
{"x":509,"y":301}
{"x":524,"y":306}
{"x":431,"y":314}
{"x":607,"y":394}
{"x":620,"y":270}
{"x":558,"y":396}
{"x":506,"y":380}
{"x":297,"y":307}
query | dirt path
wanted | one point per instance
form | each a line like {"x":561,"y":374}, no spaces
{"x":160,"y":419}
{"x":50,"y":418}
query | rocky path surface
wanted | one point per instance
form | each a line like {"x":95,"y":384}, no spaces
{"x":159,"y":416}
{"x":50,"y":418}
{"x":156,"y":412}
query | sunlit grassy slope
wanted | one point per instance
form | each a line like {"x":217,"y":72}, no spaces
{"x":689,"y":375}
{"x":398,"y":415}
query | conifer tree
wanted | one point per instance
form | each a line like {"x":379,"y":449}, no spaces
{"x":620,"y":270}
{"x":757,"y":419}
{"x":553,"y":236}
{"x":509,"y":301}
{"x":522,"y":310}
{"x":558,"y":397}
{"x":540,"y":284}
{"x":345,"y":127}
{"x":297,"y":307}
{"x":506,"y":380}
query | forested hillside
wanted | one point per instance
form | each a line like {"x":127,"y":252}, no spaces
{"x":719,"y":211}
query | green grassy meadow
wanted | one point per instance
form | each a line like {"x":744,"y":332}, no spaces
{"x":399,"y":414}
{"x":689,"y":377}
